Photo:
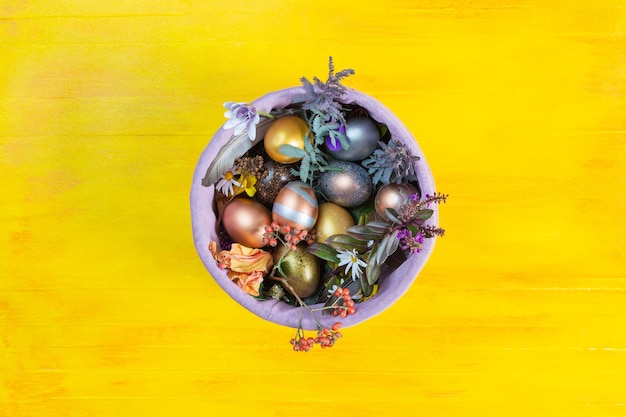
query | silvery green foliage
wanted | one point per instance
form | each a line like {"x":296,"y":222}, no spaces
{"x":321,"y":97}
{"x":324,"y":115}
{"x":390,"y":163}
{"x":313,"y":160}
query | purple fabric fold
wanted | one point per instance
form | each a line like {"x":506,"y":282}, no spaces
{"x":392,"y":286}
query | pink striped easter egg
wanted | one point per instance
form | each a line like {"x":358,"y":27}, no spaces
{"x":296,"y":206}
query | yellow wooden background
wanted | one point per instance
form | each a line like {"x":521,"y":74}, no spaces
{"x":106,"y":310}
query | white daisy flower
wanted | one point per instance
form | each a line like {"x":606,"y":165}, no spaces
{"x":352,"y":262}
{"x":226,"y":182}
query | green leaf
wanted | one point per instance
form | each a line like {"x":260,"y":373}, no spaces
{"x":305,"y":166}
{"x":362,"y":212}
{"x":424,"y":214}
{"x":383,"y":129}
{"x":378,"y":226}
{"x":364,"y":233}
{"x":261,"y":296}
{"x":366,"y":287}
{"x":291,"y":151}
{"x":324,"y":251}
{"x":388,"y":245}
{"x":393,"y":215}
{"x":377,"y":176}
{"x":372,"y":271}
{"x":346,"y":242}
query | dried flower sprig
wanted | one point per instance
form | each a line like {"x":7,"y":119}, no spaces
{"x":392,"y":162}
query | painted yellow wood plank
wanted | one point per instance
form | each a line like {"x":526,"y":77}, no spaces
{"x":105,"y":309}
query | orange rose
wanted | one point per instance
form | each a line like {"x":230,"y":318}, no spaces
{"x":250,"y":283}
{"x":246,"y":266}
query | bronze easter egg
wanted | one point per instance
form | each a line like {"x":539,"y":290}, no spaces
{"x":392,"y":196}
{"x":245,"y":220}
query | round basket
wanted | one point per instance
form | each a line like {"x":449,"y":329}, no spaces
{"x":392,"y":287}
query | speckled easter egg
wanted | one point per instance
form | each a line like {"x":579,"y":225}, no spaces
{"x":301,"y":268}
{"x":278,"y":175}
{"x":346,"y":184}
{"x":245,"y":220}
{"x":296,"y":206}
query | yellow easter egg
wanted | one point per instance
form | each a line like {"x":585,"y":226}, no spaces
{"x":332,"y":219}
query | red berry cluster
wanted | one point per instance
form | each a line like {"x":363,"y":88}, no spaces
{"x":325,"y":338}
{"x":291,"y":236}
{"x":344,"y":304}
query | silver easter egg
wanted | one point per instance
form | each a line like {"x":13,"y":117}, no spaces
{"x":363,"y":136}
{"x":346,"y":184}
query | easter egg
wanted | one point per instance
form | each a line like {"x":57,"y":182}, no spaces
{"x":296,"y":206}
{"x":362,"y":134}
{"x":286,"y":130}
{"x":346,"y":184}
{"x":392,"y":196}
{"x":301,"y":268}
{"x":277,"y":176}
{"x":245,"y":220}
{"x":332,"y":220}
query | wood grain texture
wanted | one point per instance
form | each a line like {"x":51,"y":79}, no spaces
{"x":106,"y":310}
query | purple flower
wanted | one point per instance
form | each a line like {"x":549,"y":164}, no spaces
{"x":241,"y":116}
{"x":404,"y":233}
{"x":411,"y":242}
{"x":333,"y":143}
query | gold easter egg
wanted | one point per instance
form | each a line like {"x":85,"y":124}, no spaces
{"x":301,"y":269}
{"x":332,"y":220}
{"x":286,"y":130}
{"x":245,"y":220}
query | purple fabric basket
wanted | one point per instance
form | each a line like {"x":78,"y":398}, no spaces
{"x":392,"y":287}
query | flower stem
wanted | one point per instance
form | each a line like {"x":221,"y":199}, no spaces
{"x":268,"y":115}
{"x":289,"y":288}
